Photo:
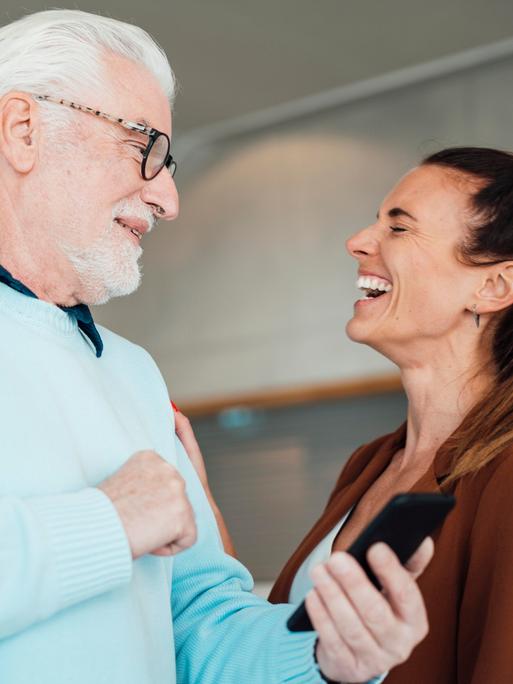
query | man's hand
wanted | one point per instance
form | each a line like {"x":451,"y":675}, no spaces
{"x":364,"y":632}
{"x":149,"y":496}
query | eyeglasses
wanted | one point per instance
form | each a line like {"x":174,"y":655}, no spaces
{"x":156,"y":154}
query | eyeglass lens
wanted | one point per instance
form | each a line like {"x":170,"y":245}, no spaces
{"x":157,"y":157}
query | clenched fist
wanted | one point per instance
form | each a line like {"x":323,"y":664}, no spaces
{"x":149,"y":496}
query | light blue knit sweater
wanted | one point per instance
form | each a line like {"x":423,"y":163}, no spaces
{"x":74,"y":607}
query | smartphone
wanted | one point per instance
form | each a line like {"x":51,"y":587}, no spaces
{"x":403,"y":524}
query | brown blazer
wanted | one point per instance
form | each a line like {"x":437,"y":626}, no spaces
{"x":468,"y":587}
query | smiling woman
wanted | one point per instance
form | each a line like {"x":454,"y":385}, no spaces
{"x":437,"y":275}
{"x":414,"y":246}
{"x":436,"y":270}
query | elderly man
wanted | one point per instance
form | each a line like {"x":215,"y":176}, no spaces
{"x":97,"y":496}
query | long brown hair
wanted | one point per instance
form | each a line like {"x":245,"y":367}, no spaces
{"x":488,"y":427}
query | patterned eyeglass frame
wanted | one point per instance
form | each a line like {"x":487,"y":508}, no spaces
{"x":152,"y":133}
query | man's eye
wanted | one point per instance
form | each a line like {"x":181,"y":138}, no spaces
{"x":140,"y":148}
{"x":397,"y":229}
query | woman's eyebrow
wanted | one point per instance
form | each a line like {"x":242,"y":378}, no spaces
{"x":397,"y":211}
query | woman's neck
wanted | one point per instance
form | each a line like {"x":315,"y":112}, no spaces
{"x":439,"y":397}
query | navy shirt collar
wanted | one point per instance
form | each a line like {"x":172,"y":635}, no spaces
{"x":80,"y":312}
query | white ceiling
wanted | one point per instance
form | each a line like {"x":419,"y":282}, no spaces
{"x":234,"y":57}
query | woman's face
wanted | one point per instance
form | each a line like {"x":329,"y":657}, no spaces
{"x":411,"y":252}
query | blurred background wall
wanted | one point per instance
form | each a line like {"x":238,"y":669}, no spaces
{"x":263,"y":257}
{"x":293,"y":121}
{"x":252,"y":287}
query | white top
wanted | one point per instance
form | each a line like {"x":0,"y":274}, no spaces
{"x":302,"y":582}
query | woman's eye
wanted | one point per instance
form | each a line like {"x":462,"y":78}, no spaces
{"x":397,"y":229}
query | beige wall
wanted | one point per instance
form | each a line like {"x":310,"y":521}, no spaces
{"x":251,"y":287}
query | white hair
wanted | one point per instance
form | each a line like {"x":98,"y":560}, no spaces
{"x":61,"y":52}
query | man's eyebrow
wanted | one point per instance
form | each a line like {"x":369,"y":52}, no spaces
{"x":397,"y":211}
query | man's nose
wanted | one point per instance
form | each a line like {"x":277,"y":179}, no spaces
{"x":161,"y":194}
{"x":363,"y":243}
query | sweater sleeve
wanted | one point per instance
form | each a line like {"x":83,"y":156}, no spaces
{"x":56,"y":551}
{"x":486,"y":614}
{"x":223,"y":632}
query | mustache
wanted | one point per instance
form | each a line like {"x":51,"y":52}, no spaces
{"x":135,"y":210}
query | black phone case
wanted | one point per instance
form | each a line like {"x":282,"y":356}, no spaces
{"x":403,"y":524}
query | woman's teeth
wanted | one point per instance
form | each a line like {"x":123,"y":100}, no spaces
{"x":372,"y":286}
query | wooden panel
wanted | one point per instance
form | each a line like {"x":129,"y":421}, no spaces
{"x":272,"y":472}
{"x":293,"y":396}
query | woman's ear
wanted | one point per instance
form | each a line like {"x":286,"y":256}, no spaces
{"x":496,"y":293}
{"x":19,"y":128}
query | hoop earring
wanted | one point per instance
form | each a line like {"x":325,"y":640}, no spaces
{"x":475,"y":315}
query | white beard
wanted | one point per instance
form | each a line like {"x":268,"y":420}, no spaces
{"x":109,"y":267}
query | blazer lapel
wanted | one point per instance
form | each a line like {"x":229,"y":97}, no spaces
{"x":362,"y":470}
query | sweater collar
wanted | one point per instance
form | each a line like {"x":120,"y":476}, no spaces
{"x":80,"y":312}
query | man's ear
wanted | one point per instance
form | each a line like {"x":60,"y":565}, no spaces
{"x":496,"y":293}
{"x":19,"y":129}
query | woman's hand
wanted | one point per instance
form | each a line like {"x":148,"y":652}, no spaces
{"x":185,"y":434}
{"x":364,"y":632}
